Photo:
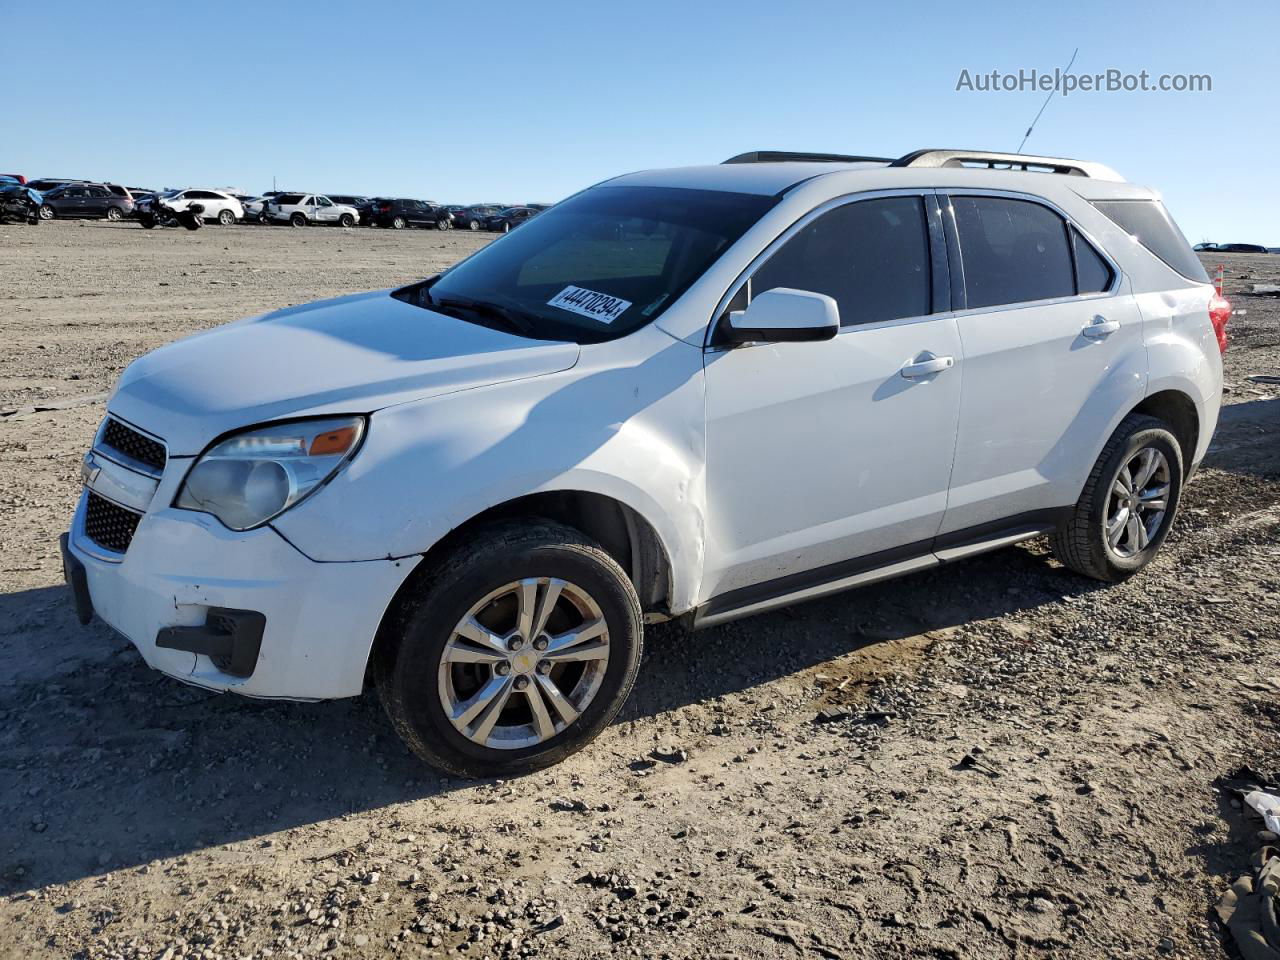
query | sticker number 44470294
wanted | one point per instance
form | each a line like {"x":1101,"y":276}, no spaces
{"x":589,"y":303}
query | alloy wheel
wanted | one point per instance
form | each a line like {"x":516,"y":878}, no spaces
{"x":1138,"y":502}
{"x":524,"y":663}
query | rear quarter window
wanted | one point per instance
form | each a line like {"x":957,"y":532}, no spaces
{"x":1150,"y":223}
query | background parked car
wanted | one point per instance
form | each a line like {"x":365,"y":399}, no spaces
{"x":1241,"y":248}
{"x":84,"y":200}
{"x":255,"y":209}
{"x":507,"y":220}
{"x":19,"y":202}
{"x":400,"y":212}
{"x":16,"y":177}
{"x":217,"y":205}
{"x":475,"y":216}
{"x":346,"y":199}
{"x":304,"y":209}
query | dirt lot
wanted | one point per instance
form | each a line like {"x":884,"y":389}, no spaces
{"x":993,"y":759}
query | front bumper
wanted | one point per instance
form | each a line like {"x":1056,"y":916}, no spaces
{"x":320,"y":618}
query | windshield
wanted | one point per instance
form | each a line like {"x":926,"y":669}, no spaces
{"x":600,"y":264}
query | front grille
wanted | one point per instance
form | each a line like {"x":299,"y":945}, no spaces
{"x":109,"y":525}
{"x":134,"y":444}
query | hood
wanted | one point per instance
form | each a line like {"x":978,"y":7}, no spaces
{"x":354,"y":354}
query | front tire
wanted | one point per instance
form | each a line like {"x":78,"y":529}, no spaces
{"x":1128,"y":503}
{"x":517,"y":650}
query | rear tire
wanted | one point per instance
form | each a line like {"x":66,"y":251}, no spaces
{"x":115,"y":214}
{"x":347,"y":220}
{"x":427,"y":672}
{"x":398,"y":223}
{"x":1128,"y":504}
{"x":506,"y":227}
{"x":474,"y":225}
{"x":226,"y":218}
{"x":47,"y":212}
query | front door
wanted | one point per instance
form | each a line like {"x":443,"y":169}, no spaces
{"x":1053,"y":352}
{"x":324,"y":210}
{"x":823,"y":457}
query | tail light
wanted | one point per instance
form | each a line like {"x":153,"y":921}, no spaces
{"x":1219,"y":316}
{"x":385,"y":208}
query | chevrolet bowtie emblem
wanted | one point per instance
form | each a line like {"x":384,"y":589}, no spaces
{"x":89,"y":469}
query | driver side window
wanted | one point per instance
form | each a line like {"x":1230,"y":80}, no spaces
{"x":870,"y":256}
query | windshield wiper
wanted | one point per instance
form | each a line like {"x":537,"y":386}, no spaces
{"x":513,"y":319}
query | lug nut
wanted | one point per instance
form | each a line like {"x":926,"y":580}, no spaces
{"x":544,"y":667}
{"x":540,"y":643}
{"x":522,"y":683}
{"x":514,"y":644}
{"x":502,"y":669}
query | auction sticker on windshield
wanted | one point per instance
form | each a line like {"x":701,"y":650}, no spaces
{"x":589,"y":303}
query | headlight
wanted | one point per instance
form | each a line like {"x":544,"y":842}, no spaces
{"x":256,"y":475}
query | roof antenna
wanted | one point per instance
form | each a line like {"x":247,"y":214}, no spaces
{"x":1026,"y":136}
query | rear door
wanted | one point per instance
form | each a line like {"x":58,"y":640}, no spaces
{"x":96,"y":201}
{"x":1052,"y":350}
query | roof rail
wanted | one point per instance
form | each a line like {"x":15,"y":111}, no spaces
{"x":1009,"y":161}
{"x":790,"y":156}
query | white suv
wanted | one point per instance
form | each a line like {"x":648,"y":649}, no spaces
{"x":696,"y":393}
{"x":304,"y":209}
{"x":219,"y":206}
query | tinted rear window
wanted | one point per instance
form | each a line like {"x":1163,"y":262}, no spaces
{"x":1014,"y":251}
{"x":289,"y":198}
{"x":1150,"y":222}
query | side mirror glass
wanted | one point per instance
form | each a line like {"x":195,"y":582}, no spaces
{"x":785,"y":315}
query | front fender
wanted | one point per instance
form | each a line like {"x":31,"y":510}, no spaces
{"x":632,"y":431}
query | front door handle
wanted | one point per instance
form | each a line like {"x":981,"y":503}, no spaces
{"x":926,"y":365}
{"x":1100,"y":327}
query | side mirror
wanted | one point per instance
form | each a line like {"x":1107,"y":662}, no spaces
{"x":785,"y":315}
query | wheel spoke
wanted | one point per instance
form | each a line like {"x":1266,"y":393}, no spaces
{"x":542,"y":722}
{"x":561,"y":646}
{"x":1155,"y":493}
{"x":467,"y":712}
{"x":473,"y":630}
{"x":557,"y":699}
{"x":547,"y":603}
{"x":1148,"y":461}
{"x":1134,"y":531}
{"x":1143,"y":537}
{"x":1124,"y":481}
{"x":1154,"y":505}
{"x":466,"y":653}
{"x":580,"y":652}
{"x":1115,"y":526}
{"x":489,"y":716}
{"x":527,"y":596}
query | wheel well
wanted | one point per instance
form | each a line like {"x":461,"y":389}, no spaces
{"x":624,"y":534}
{"x":1179,"y":412}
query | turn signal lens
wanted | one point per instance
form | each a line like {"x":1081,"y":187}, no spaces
{"x":334,"y":441}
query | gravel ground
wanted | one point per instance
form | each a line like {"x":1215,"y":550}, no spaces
{"x":992,"y":759}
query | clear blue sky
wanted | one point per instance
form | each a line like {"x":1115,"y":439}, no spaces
{"x":528,"y":101}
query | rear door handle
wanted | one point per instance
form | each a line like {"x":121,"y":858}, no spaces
{"x":1100,"y":327}
{"x":926,"y":365}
